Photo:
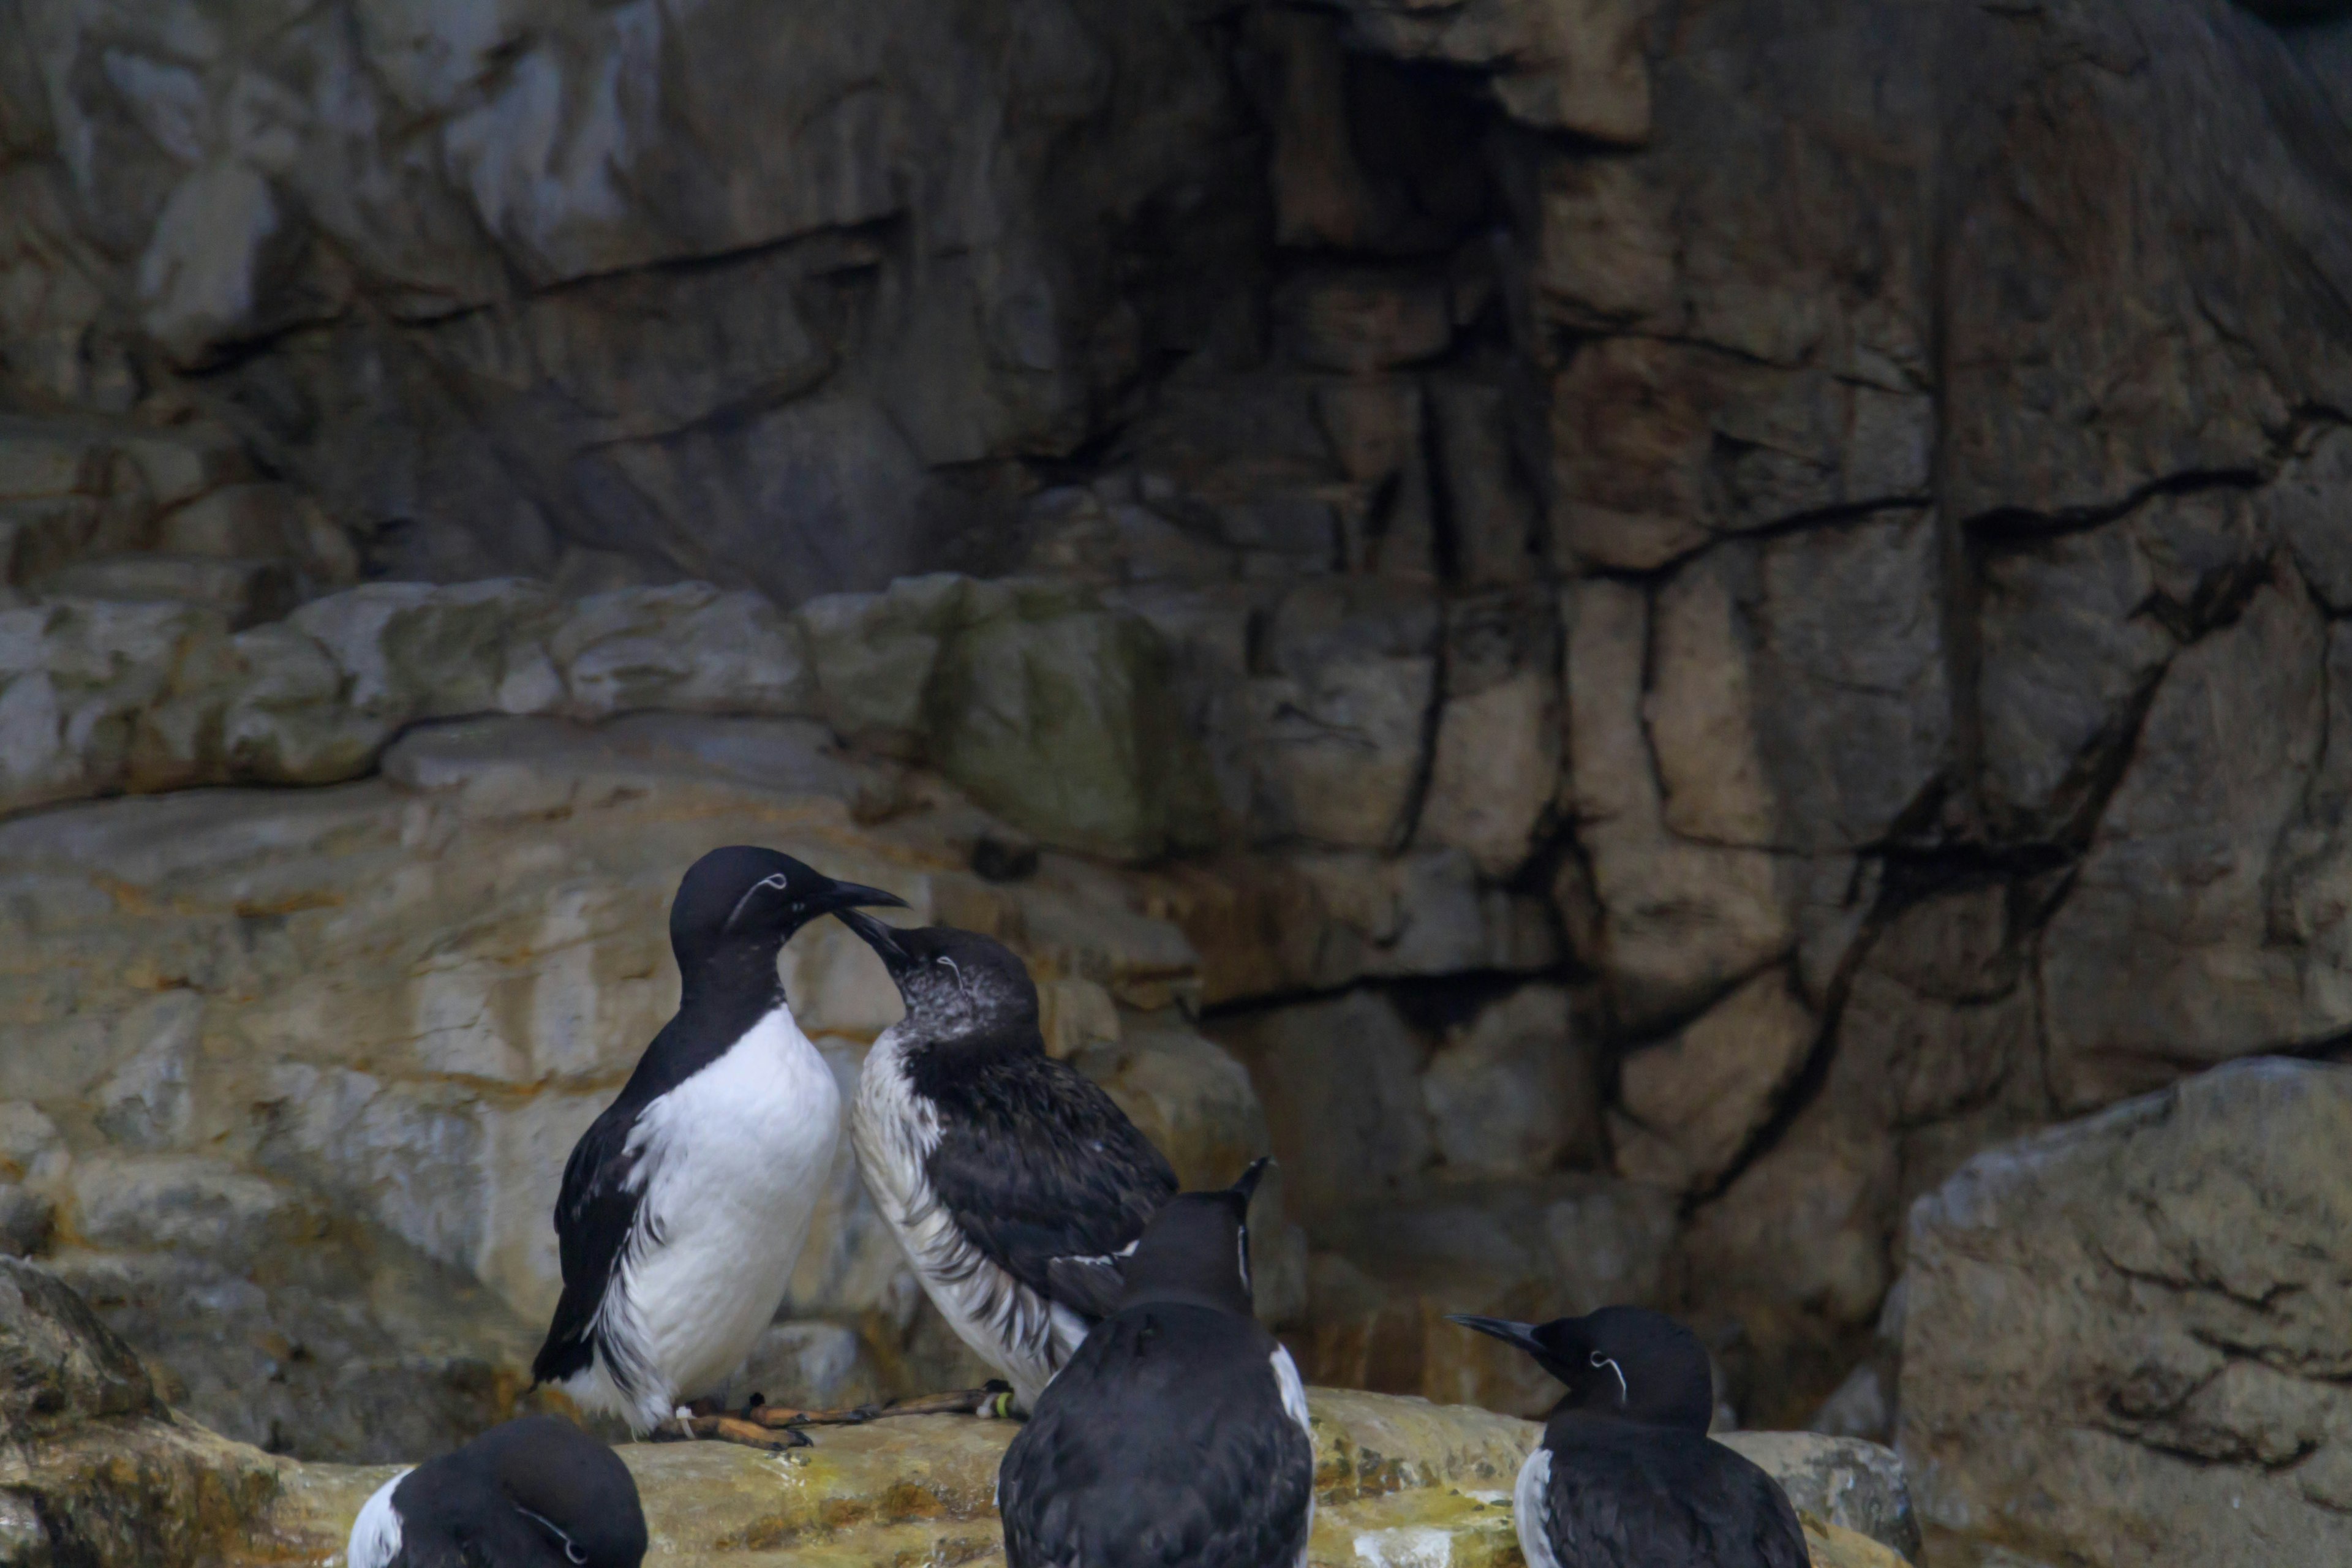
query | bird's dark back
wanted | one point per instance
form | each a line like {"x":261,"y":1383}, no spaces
{"x":1624,"y":1495}
{"x":1163,"y":1444}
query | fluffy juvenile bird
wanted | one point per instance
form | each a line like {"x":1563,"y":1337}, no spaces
{"x":684,"y":1205}
{"x":1177,"y":1436}
{"x":1015,"y":1184}
{"x":1626,"y":1476}
{"x":534,"y":1493}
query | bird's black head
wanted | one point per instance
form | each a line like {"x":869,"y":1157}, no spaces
{"x":1196,"y":1249}
{"x":745,"y":902}
{"x":957,"y":985}
{"x":1626,"y":1362}
{"x":532,"y":1493}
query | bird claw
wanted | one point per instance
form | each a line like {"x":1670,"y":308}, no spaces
{"x":730,"y":1429}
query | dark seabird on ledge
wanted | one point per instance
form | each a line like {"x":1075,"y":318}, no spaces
{"x":1177,"y":1436}
{"x":533,"y":1493}
{"x":1626,"y":1476}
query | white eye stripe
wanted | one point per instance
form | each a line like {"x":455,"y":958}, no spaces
{"x":1624,"y":1394}
{"x":777,"y":881}
{"x":571,"y":1553}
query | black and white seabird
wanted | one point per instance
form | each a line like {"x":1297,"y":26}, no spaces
{"x":1177,"y":1436}
{"x":1016,"y":1186}
{"x":684,"y":1205}
{"x":534,"y":1493}
{"x":1626,"y":1474}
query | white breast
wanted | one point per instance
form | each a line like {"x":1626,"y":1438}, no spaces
{"x":731,"y":1163}
{"x":1293,"y":1404}
{"x":1531,"y":1510}
{"x":1010,"y":1326}
{"x":375,"y":1535}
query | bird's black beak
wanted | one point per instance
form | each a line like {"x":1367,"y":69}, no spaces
{"x":1247,"y":1186}
{"x":878,"y":936}
{"x":1522,"y":1335}
{"x":837,"y":896}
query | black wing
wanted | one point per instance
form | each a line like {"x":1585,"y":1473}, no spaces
{"x":1046,"y":1176}
{"x":1632,"y":1496}
{"x":594,"y":1216}
{"x":1163,"y":1445}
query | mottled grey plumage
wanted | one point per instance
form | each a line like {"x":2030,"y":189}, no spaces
{"x":1014,"y":1183}
{"x":1177,"y":1436}
{"x":1626,"y":1476}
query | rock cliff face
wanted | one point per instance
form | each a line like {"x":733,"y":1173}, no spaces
{"x":2123,"y":1340}
{"x":1626,"y":629}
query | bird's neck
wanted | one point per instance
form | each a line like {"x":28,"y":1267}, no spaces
{"x":740,"y":977}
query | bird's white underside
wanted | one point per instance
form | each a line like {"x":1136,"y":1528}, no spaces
{"x":375,"y":1535}
{"x":1531,"y":1510}
{"x":730,"y":1164}
{"x":1013,"y":1328}
{"x":1293,"y":1404}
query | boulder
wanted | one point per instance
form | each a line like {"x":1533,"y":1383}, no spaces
{"x":58,"y":1364}
{"x":2124,"y":1338}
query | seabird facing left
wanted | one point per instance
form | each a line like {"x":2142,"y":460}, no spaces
{"x":533,"y":1493}
{"x":684,"y":1205}
{"x":1626,"y":1476}
{"x":1016,"y":1186}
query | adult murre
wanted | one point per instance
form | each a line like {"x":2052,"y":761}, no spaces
{"x":684,"y":1205}
{"x":1626,"y":1472}
{"x":533,"y":1493}
{"x":1015,"y":1184}
{"x":1177,"y":1436}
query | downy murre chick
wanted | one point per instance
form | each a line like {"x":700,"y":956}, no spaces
{"x":533,"y":1493}
{"x":1177,"y":1436}
{"x":684,"y":1205}
{"x":1626,"y":1474}
{"x":1015,"y":1184}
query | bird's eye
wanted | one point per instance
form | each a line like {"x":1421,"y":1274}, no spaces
{"x":1624,"y":1394}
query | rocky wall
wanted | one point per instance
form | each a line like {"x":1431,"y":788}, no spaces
{"x":1659,"y":621}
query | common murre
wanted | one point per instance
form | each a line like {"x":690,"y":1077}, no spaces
{"x":533,"y":1493}
{"x":1178,"y":1436}
{"x":1626,"y":1473}
{"x":684,"y":1205}
{"x":1016,"y":1186}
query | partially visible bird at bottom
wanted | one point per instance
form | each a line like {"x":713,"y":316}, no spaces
{"x":685,"y":1205}
{"x":533,"y":1493}
{"x":1177,"y":1436}
{"x":1626,"y":1476}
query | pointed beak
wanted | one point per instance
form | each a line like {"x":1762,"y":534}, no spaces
{"x":849,"y":895}
{"x":1247,"y":1186}
{"x":1522,"y":1335}
{"x":876,"y":935}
